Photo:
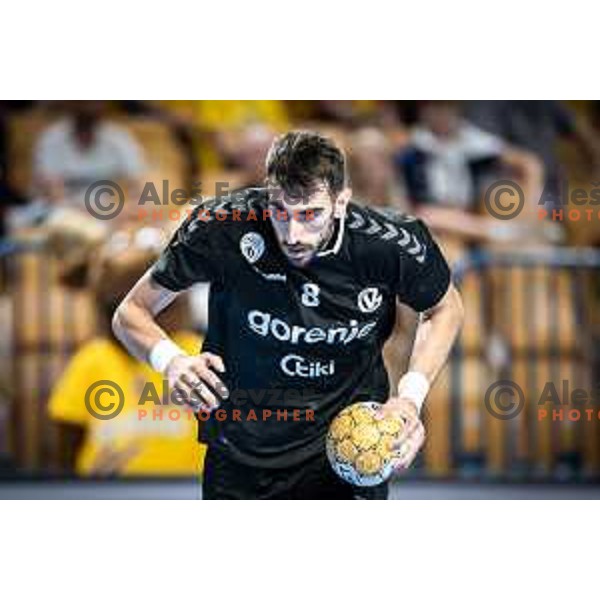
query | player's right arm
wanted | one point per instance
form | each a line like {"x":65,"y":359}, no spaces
{"x":134,"y":321}
{"x":189,"y":258}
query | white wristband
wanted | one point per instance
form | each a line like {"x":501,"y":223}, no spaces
{"x":414,"y":386}
{"x":162,"y":353}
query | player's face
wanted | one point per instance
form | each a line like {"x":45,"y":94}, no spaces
{"x":304,"y":225}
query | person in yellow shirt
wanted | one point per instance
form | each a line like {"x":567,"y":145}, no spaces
{"x":222,"y":127}
{"x":146,"y":438}
{"x":151,"y":434}
{"x":231,"y":114}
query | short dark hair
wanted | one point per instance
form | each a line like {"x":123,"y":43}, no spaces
{"x":299,"y":161}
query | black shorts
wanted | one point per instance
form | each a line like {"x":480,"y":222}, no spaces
{"x":314,"y":479}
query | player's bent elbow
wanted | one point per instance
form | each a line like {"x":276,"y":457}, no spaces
{"x":119,"y":320}
{"x":116,"y":323}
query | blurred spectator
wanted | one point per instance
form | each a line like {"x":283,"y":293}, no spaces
{"x":181,"y":126}
{"x":81,"y":149}
{"x":219,"y":125}
{"x":352,"y":113}
{"x":537,"y":126}
{"x":157,"y":443}
{"x":446,"y":164}
{"x":242,"y":132}
{"x":372,"y":169}
{"x":161,"y":441}
{"x":254,"y":143}
{"x":235,"y":114}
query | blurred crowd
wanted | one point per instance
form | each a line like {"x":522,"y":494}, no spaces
{"x":434,"y":159}
{"x":418,"y":156}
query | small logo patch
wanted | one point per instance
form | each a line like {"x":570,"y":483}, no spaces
{"x":252,"y":246}
{"x":369,"y":300}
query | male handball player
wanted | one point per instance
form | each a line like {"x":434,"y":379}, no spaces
{"x":303,"y":291}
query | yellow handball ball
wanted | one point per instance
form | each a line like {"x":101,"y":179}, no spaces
{"x":359,"y":446}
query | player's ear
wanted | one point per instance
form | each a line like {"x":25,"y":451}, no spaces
{"x":341,"y":202}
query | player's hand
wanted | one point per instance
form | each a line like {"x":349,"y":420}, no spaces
{"x":413,"y":436}
{"x":192,"y":376}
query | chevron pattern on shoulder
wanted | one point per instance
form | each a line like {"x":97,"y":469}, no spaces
{"x":390,"y":213}
{"x":391,"y":232}
{"x":357,"y":220}
{"x":388,"y":232}
{"x":374,"y":227}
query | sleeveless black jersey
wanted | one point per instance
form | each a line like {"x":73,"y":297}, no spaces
{"x":298,"y":338}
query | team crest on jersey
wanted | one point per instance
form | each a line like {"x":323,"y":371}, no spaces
{"x":369,"y":300}
{"x":252,"y":246}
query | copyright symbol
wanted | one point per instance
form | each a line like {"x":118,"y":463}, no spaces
{"x":100,"y":199}
{"x":500,"y":400}
{"x":501,"y":207}
{"x":102,"y":408}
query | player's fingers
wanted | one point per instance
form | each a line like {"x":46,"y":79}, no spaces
{"x":411,"y":434}
{"x":408,"y":458}
{"x":400,"y":444}
{"x":184,"y":380}
{"x":403,"y":460}
{"x":190,"y":386}
{"x":201,"y":392}
{"x":210,"y":377}
{"x":411,"y":426}
{"x":183,"y":385}
{"x":214,"y":361}
{"x":392,"y":410}
{"x":198,"y":404}
{"x":408,"y":451}
{"x":409,"y":430}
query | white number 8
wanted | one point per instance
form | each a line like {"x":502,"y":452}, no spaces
{"x":310,"y":294}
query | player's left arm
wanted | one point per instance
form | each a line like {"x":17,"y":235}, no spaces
{"x":424,"y":284}
{"x":435,"y":335}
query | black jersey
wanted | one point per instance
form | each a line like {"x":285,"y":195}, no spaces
{"x":305,"y":338}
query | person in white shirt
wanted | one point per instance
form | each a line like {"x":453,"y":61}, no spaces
{"x":81,"y":149}
{"x":445,"y":165}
